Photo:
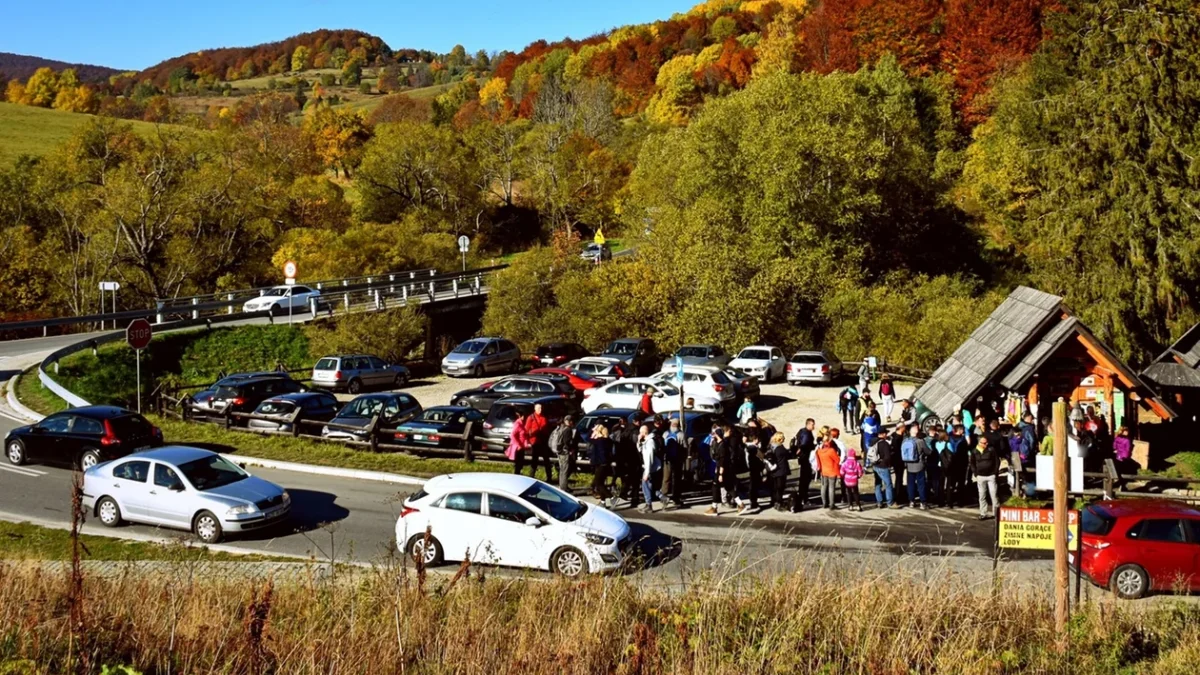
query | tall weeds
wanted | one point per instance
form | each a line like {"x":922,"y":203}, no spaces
{"x":384,"y":620}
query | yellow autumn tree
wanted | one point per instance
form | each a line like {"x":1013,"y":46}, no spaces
{"x":14,"y":92}
{"x":338,"y":136}
{"x":492,"y":94}
{"x":41,"y":88}
{"x":777,"y":50}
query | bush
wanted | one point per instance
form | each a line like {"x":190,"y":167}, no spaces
{"x":391,"y":335}
{"x":245,"y":348}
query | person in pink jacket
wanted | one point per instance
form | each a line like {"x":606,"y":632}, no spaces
{"x":518,"y":443}
{"x":851,"y":471}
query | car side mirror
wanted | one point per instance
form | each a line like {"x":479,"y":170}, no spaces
{"x":177,"y":487}
{"x":37,"y":429}
{"x":533,"y":521}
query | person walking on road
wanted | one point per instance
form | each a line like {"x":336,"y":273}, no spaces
{"x":723,"y":474}
{"x":675,"y":451}
{"x":600,"y":456}
{"x":935,"y":476}
{"x":563,"y":447}
{"x":955,"y":456}
{"x":829,"y":466}
{"x":848,"y":407}
{"x":870,"y":426}
{"x":899,"y":435}
{"x":646,"y":448}
{"x":753,"y":457}
{"x":879,"y":456}
{"x":864,"y":377}
{"x":913,"y":452}
{"x":887,"y":394}
{"x":985,"y":464}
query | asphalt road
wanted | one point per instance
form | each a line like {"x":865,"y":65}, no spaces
{"x":347,"y":519}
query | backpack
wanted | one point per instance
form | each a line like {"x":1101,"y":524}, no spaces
{"x":908,"y":450}
{"x":873,"y":453}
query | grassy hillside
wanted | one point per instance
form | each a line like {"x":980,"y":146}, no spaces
{"x":31,"y":130}
{"x":424,"y":93}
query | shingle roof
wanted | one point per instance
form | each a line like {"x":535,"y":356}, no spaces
{"x":1186,"y":349}
{"x":984,"y":356}
{"x":1172,"y":375}
{"x":1042,"y":350}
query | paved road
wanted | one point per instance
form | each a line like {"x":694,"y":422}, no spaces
{"x":353,"y":520}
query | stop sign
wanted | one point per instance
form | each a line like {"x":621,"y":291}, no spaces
{"x":138,"y":333}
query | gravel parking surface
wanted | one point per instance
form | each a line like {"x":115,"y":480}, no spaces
{"x":785,"y":406}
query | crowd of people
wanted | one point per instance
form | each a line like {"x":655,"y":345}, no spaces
{"x":740,"y":463}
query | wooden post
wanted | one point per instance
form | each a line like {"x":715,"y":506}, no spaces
{"x":1061,"y":569}
{"x":468,"y":454}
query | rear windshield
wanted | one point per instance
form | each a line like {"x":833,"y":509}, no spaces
{"x":623,"y":348}
{"x":326,"y":364}
{"x":551,"y":350}
{"x":470,"y":347}
{"x":130,"y":426}
{"x":755,"y":355}
{"x":505,"y":413}
{"x":692,"y":351}
{"x":1097,"y":521}
{"x":276,"y":407}
{"x":720,"y":377}
{"x":807,"y":358}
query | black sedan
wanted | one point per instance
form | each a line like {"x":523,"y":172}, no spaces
{"x":525,"y":386}
{"x":316,"y":406}
{"x":440,"y":427}
{"x":352,"y":420}
{"x":82,"y":437}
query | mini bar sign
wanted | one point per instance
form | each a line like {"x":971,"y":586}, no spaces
{"x":1033,"y":528}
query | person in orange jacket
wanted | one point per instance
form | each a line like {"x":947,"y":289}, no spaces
{"x":829,"y":466}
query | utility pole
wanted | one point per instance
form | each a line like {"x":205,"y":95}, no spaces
{"x":1061,"y":568}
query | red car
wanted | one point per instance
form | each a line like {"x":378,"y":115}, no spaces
{"x":578,"y":380}
{"x":1134,"y":546}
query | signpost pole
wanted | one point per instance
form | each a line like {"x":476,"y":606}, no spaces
{"x":1061,"y":570}
{"x":139,"y":379}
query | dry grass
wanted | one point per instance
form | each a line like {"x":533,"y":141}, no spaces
{"x":391,"y":619}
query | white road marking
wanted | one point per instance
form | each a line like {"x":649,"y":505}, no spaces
{"x":32,"y":473}
{"x":13,"y":417}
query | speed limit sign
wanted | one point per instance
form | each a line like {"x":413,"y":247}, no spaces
{"x":289,"y":269}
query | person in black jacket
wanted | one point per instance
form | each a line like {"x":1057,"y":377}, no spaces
{"x":723,"y":479}
{"x":600,"y":456}
{"x":777,"y":462}
{"x":880,"y":458}
{"x":985,"y":464}
{"x":803,"y":446}
{"x":754,"y":453}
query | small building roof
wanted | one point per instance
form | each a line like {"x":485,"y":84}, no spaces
{"x":1179,"y":365}
{"x":1012,"y":344}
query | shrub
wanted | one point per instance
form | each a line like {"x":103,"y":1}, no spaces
{"x":391,"y":335}
{"x":243,"y":348}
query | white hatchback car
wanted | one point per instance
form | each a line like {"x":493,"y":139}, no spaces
{"x":702,"y":381}
{"x":511,"y":520}
{"x":762,"y":361}
{"x":627,"y":393}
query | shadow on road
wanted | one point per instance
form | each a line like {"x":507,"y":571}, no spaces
{"x":651,"y":548}
{"x":766,"y":402}
{"x":312,"y":509}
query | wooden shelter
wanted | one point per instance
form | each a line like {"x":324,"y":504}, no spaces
{"x":1176,"y":374}
{"x":1032,"y":349}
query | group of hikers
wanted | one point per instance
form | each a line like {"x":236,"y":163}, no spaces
{"x":645,"y":458}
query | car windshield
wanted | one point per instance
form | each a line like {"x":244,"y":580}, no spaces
{"x":622,"y":348}
{"x":701,"y":352}
{"x":470,"y":347}
{"x":668,"y":389}
{"x":561,"y":507}
{"x":755,"y":355}
{"x":326,"y":364}
{"x":276,"y":292}
{"x":362,"y":407}
{"x":275,"y":408}
{"x":211,"y":472}
{"x":128,"y":426}
{"x":808,"y":358}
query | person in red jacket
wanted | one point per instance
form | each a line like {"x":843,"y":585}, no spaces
{"x":646,"y":406}
{"x":537,"y":433}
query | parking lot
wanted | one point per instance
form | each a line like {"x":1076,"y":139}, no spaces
{"x":784,"y":406}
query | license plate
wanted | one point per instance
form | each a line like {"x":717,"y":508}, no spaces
{"x":418,"y":437}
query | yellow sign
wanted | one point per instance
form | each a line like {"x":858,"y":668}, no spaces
{"x":599,"y":238}
{"x":1034,"y":528}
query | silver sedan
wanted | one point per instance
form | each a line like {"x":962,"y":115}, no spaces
{"x":184,"y":488}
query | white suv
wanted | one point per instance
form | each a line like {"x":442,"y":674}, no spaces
{"x":762,"y":361}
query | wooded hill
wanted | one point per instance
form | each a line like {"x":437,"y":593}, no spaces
{"x":21,"y":67}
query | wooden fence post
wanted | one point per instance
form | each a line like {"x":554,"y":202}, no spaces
{"x":296,"y":422}
{"x":372,"y":438}
{"x":468,"y":454}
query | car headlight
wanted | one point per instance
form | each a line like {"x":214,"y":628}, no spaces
{"x":598,"y":539}
{"x":287,"y":499}
{"x":241,"y":510}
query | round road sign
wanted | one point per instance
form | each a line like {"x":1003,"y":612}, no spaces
{"x":464,"y":244}
{"x":289,"y":269}
{"x":138,"y":333}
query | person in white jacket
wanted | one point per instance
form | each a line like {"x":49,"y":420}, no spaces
{"x":649,"y":461}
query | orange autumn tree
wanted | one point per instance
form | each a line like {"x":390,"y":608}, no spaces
{"x":986,"y":37}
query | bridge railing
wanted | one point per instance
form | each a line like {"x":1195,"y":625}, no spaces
{"x":375,"y":291}
{"x":233,"y":296}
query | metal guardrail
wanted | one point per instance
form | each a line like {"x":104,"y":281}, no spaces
{"x":257,"y":291}
{"x":359,"y":298}
{"x":376,"y":290}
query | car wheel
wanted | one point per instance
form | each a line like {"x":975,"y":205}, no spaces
{"x":1129,"y":582}
{"x":89,"y":459}
{"x":207,"y":527}
{"x":276,"y":309}
{"x":429,"y":553}
{"x":15,"y":452}
{"x":569,"y":562}
{"x":354,"y":387}
{"x":477,"y":372}
{"x":401,"y":380}
{"x":108,"y":512}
